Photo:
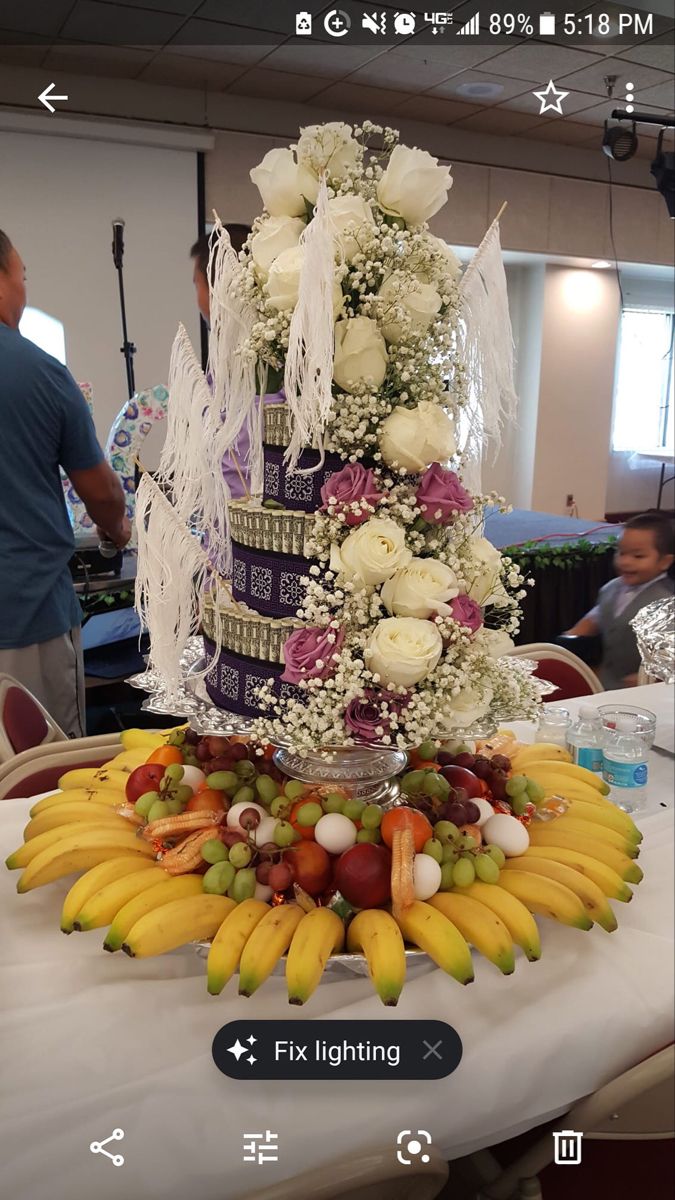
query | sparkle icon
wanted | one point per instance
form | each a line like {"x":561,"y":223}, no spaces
{"x":551,"y":99}
{"x":238,"y":1050}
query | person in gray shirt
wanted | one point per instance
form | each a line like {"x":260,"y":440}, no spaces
{"x":644,"y":557}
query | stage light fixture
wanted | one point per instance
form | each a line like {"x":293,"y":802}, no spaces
{"x":663,"y":170}
{"x":619,"y":143}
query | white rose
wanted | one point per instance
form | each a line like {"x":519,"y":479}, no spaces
{"x":468,"y":707}
{"x":413,"y":186}
{"x":413,"y":438}
{"x":348,"y":215}
{"x":372,"y":552}
{"x":275,"y":235}
{"x":276,"y":178}
{"x":493,"y":642}
{"x":283,"y":281}
{"x":403,"y":650}
{"x":420,"y":589}
{"x":329,"y":148}
{"x":419,"y":300}
{"x":447,"y":268}
{"x":484,"y":573}
{"x":360,"y":353}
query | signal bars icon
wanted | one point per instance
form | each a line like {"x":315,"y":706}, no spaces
{"x":471,"y":29}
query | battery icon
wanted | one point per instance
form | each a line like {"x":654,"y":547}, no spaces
{"x":547,"y":24}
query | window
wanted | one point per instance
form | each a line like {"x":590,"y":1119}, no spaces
{"x":47,"y":332}
{"x":643,"y":400}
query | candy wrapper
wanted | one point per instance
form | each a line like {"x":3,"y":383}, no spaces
{"x":654,"y":629}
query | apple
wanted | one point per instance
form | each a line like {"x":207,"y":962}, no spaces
{"x":144,"y":779}
{"x":460,"y":777}
{"x":310,"y":865}
{"x":363,"y":875}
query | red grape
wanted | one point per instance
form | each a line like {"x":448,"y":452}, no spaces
{"x":465,"y":760}
{"x":452,"y":811}
{"x":237,"y":751}
{"x":249,"y":819}
{"x":481,"y":766}
{"x":262,"y":872}
{"x":501,"y":762}
{"x":230,"y":837}
{"x":472,"y":812}
{"x":191,"y":737}
{"x":279,"y":877}
{"x":202,"y":752}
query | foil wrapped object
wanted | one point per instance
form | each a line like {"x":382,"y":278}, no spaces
{"x":654,"y":627}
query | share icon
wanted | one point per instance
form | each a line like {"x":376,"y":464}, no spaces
{"x":117,"y":1160}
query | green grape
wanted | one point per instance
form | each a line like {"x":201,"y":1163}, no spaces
{"x":240,"y":855}
{"x":284,"y":834}
{"x":159,"y":809}
{"x":191,"y":760}
{"x":463,"y":872}
{"x":242,"y":886}
{"x":434,"y":849}
{"x":447,"y":876}
{"x":496,"y":854}
{"x":413,"y":782}
{"x":214,"y":851}
{"x":175,"y":806}
{"x":519,"y":803}
{"x":308,"y":814}
{"x":245,"y":771}
{"x":436,"y":786}
{"x":535,"y":791}
{"x":486,"y":868}
{"x":427,"y":751}
{"x":353,"y":809}
{"x":450,"y":854}
{"x":371,"y":817}
{"x":280,"y":807}
{"x":515,"y":785}
{"x":244,"y":795}
{"x":466,"y":842}
{"x":333,"y":803}
{"x":183,"y":793}
{"x":219,"y":878}
{"x":175,"y":772}
{"x":369,"y":835}
{"x":446,"y":831}
{"x":223,"y":781}
{"x":266,"y":788}
{"x":294,"y":789}
{"x":145,"y":803}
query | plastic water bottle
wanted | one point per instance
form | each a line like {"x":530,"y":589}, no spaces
{"x":553,"y":725}
{"x":585,"y":739}
{"x":625,"y":766}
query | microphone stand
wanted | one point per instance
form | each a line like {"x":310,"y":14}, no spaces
{"x":128,"y":349}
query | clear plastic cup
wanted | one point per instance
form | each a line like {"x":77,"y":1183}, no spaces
{"x":643,"y":722}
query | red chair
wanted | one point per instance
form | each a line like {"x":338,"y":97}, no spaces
{"x":571,"y":676}
{"x":24,"y":722}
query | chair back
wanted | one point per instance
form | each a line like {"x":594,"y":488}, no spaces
{"x":569,"y":674}
{"x":24,"y":722}
{"x":40,"y":768}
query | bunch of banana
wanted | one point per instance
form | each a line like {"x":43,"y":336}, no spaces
{"x":228,"y":944}
{"x":375,"y":934}
{"x":168,"y":926}
{"x":90,"y":779}
{"x":480,"y":926}
{"x":546,"y":897}
{"x":101,"y":797}
{"x":74,"y":848}
{"x":423,"y":925}
{"x":592,"y":897}
{"x":61,"y":815}
{"x":267,"y":943}
{"x":512,"y":913}
{"x":521,"y":754}
{"x":151,"y":898}
{"x":111,"y":871}
{"x":319,"y":934}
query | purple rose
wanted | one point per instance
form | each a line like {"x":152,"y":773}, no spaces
{"x":364,"y":717}
{"x":440,"y":495}
{"x":466,"y":612}
{"x":353,"y":485}
{"x":310,"y":654}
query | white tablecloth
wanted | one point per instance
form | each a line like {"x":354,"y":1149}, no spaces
{"x":91,"y":1041}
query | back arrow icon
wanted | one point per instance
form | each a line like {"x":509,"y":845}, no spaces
{"x":47,"y":95}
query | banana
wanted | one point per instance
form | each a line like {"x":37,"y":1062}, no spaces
{"x":98,"y":877}
{"x":621,"y":863}
{"x":142,"y":739}
{"x":103,"y":906}
{"x":608,"y":816}
{"x":538,"y":752}
{"x":153,"y":897}
{"x":479,"y":926}
{"x":427,"y":928}
{"x":101,"y":798}
{"x":512,"y":912}
{"x":546,"y":897}
{"x":228,"y":944}
{"x":592,"y":897}
{"x":375,"y":933}
{"x":78,"y":851}
{"x":320,"y":933}
{"x":270,"y":939}
{"x":32,"y":849}
{"x":128,"y":760}
{"x":94,"y":778}
{"x":557,"y":784}
{"x":606,"y":878}
{"x":191,"y":919}
{"x":573,"y":771}
{"x":575,"y":824}
{"x":70,"y":814}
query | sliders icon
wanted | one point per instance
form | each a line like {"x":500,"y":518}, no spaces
{"x":117,"y":1160}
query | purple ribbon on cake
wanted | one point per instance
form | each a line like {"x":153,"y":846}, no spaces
{"x":234,"y":679}
{"x":269,"y":583}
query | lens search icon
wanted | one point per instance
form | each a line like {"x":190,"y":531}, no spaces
{"x":337,"y":22}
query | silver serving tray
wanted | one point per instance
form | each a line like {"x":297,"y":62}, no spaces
{"x":338,"y":964}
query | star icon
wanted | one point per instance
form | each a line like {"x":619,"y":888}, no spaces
{"x":251,"y":1040}
{"x":237,"y":1050}
{"x":251,"y":1059}
{"x":551,"y":99}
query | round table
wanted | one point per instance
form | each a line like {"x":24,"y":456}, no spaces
{"x":94,"y":1041}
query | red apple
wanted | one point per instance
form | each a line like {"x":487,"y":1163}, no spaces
{"x":310,"y":865}
{"x":460,"y":777}
{"x":363,"y":875}
{"x":144,"y":779}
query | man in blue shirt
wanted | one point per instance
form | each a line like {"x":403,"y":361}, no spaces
{"x":45,"y":424}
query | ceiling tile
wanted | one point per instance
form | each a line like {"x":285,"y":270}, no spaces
{"x":181,"y":71}
{"x":34,"y":16}
{"x":510,"y":87}
{"x":434,"y":108}
{"x":657,"y":53}
{"x":256,"y":14}
{"x":183,"y":7}
{"x":661,"y":96}
{"x":646,"y":147}
{"x":570,"y":133}
{"x":248,"y":53}
{"x":539,"y":62}
{"x":23,"y":56}
{"x":591,"y":78}
{"x":497,"y":121}
{"x":316,"y":58}
{"x":357,"y":98}
{"x":408,"y":73}
{"x":277,"y":85}
{"x":456,"y":55}
{"x":103,"y":23}
{"x":115,"y":62}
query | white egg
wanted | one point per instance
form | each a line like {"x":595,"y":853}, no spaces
{"x":263,"y":892}
{"x":265,"y":831}
{"x":486,"y":810}
{"x":506,"y":832}
{"x":235,"y":812}
{"x":426,"y":876}
{"x":335,"y":832}
{"x":192,"y":777}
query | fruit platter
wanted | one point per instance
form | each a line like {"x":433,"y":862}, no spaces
{"x":184,"y":839}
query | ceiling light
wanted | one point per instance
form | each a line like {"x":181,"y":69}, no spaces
{"x":601,"y":264}
{"x":480,"y":90}
{"x":663,"y":170}
{"x":619,"y":143}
